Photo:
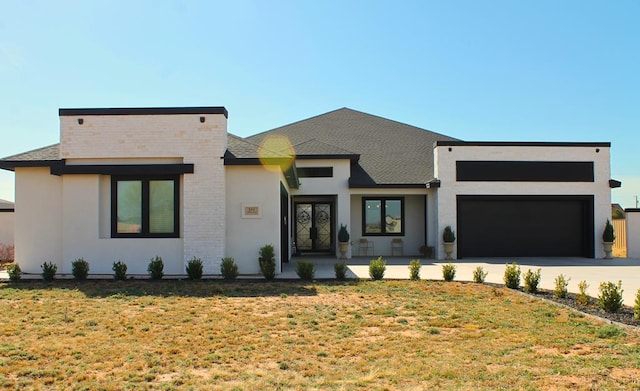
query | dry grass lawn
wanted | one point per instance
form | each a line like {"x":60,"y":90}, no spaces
{"x":210,"y":335}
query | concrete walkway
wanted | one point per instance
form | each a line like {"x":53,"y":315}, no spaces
{"x":593,"y":271}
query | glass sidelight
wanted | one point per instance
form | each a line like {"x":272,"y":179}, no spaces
{"x":314,"y":224}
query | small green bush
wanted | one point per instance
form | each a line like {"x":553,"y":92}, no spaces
{"x":582,"y":298}
{"x":119,"y":270}
{"x":80,"y":269}
{"x":636,"y":307}
{"x":531,"y":281}
{"x":267,"y":262}
{"x":512,"y":276}
{"x":305,"y":270}
{"x":479,"y":274}
{"x":562,"y":283}
{"x":156,"y":268}
{"x":414,"y":269}
{"x":228,"y":268}
{"x":14,"y":272}
{"x":194,"y":268}
{"x":377,"y":267}
{"x":49,"y":271}
{"x":448,"y":272}
{"x":340,"y":269}
{"x":610,"y":297}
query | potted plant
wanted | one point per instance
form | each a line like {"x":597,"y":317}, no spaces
{"x":448,"y":237}
{"x":608,"y":237}
{"x":343,"y":239}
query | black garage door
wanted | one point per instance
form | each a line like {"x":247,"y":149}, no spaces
{"x":525,"y":226}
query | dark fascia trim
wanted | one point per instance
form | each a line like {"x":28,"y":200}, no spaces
{"x":353,"y":157}
{"x":145,"y":111}
{"x":123,"y":169}
{"x":288,"y":167}
{"x":7,"y":210}
{"x":613,"y":184}
{"x":10,"y":165}
{"x":443,"y":143}
{"x":387,"y":186}
{"x":633,"y":210}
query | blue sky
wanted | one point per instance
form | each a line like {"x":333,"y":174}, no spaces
{"x":476,"y":70}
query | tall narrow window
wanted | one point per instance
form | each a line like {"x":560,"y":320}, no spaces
{"x":144,"y":207}
{"x":383,"y":216}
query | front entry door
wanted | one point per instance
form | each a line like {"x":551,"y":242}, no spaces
{"x":314,"y":222}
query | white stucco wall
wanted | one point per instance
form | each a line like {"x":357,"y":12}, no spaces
{"x":414,"y":225}
{"x":252,"y":186}
{"x":38,"y":218}
{"x":82,"y":204}
{"x":144,"y":139}
{"x":632,"y":217}
{"x":445,"y":171}
{"x":337,"y":186}
{"x":7,"y":223}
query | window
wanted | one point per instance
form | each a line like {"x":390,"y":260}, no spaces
{"x":383,"y":216}
{"x":315,"y":172}
{"x":144,"y":207}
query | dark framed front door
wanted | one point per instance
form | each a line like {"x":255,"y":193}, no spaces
{"x":314,"y":226}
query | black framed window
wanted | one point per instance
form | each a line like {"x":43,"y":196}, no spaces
{"x":145,"y":207}
{"x":383,"y":216}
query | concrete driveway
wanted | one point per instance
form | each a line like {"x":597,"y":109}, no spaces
{"x":593,"y":271}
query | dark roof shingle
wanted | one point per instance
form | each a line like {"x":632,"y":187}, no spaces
{"x":391,"y":152}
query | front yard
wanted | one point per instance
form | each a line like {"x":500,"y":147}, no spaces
{"x":292,"y":335}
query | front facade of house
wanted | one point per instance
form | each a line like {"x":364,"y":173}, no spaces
{"x":132,"y":184}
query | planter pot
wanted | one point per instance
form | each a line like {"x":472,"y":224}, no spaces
{"x":344,"y":247}
{"x":448,"y":249}
{"x":608,"y":250}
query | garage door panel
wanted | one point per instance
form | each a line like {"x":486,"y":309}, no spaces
{"x":507,"y":226}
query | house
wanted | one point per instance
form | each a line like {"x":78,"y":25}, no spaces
{"x":6,"y":223}
{"x":132,"y":183}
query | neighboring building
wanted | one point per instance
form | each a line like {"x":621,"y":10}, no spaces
{"x":7,"y":210}
{"x":130,"y":184}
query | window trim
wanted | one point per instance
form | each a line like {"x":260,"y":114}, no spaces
{"x":145,"y":206}
{"x":382,"y":214}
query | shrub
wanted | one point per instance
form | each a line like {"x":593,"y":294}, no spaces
{"x":377,"y":267}
{"x":340,"y":269}
{"x":531,"y":281}
{"x":479,"y":275}
{"x":194,"y":268}
{"x":512,"y":276}
{"x":448,"y":236}
{"x":7,"y":252}
{"x":267,"y":262}
{"x":14,"y":272}
{"x":80,"y":269}
{"x":414,"y":269}
{"x":156,"y":268}
{"x":636,"y":307}
{"x":305,"y":270}
{"x":608,"y":235}
{"x":343,"y":234}
{"x":562,"y":283}
{"x":49,"y":271}
{"x":228,"y":268}
{"x":119,"y":270}
{"x":448,"y":272}
{"x":582,"y":298}
{"x":610,"y":297}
